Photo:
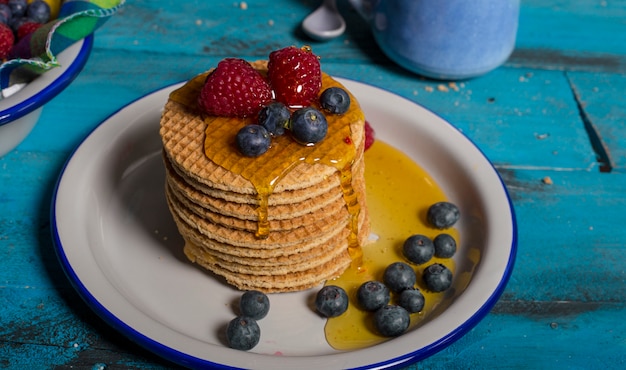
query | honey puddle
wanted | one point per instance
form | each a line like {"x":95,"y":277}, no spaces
{"x":399,"y":193}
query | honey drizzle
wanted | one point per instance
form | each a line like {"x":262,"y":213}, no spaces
{"x":266,"y":171}
{"x":352,"y":202}
{"x":263,"y":224}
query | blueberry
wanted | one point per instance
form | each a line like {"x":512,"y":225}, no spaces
{"x":418,"y":249}
{"x":16,"y":22}
{"x":308,"y":125}
{"x":331,"y":301}
{"x":411,"y":300}
{"x":445,"y":246}
{"x":254,"y":304}
{"x":335,"y":100}
{"x":399,"y":276}
{"x":253,"y":140}
{"x":437,"y":277}
{"x":38,"y":11}
{"x":391,"y":321}
{"x":18,"y":7}
{"x":243,"y":333}
{"x":5,"y":13}
{"x":372,"y":295}
{"x":274,"y":117}
{"x":443,"y":215}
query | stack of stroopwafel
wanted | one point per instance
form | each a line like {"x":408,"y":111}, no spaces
{"x":217,"y":211}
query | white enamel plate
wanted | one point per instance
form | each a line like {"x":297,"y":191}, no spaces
{"x":120,"y":248}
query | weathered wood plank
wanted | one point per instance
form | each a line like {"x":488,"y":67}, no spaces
{"x":589,"y":27}
{"x":572,"y":35}
{"x":571,"y":239}
{"x":521,"y":340}
{"x":602,"y":98}
{"x":564,"y":305}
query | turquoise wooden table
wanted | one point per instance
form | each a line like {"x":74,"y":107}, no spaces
{"x":552,"y":120}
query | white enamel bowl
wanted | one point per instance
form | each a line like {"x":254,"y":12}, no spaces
{"x":20,"y":111}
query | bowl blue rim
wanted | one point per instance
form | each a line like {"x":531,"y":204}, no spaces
{"x":187,"y":360}
{"x":59,"y":84}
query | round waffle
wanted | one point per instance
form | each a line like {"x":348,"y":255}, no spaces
{"x":219,"y":198}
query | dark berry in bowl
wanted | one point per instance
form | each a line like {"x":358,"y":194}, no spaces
{"x":254,"y":304}
{"x":331,"y":301}
{"x":418,"y":249}
{"x":5,"y":13}
{"x":411,"y":300}
{"x":437,"y":277}
{"x":243,"y":333}
{"x":399,"y":276}
{"x":372,"y":295}
{"x":38,"y":11}
{"x":18,"y":7}
{"x":443,"y":215}
{"x":391,"y":320}
{"x":445,"y":246}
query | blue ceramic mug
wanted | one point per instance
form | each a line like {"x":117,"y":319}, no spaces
{"x":444,"y":39}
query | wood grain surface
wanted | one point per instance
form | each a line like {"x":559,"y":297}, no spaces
{"x":552,"y":120}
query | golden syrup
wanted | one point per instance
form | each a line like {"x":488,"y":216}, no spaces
{"x":263,"y":223}
{"x":352,"y":203}
{"x":264,"y":172}
{"x":399,"y":193}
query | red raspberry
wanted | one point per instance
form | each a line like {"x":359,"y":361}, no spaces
{"x":27,"y":28}
{"x":295,"y":76}
{"x":6,"y":40}
{"x":369,"y":135}
{"x":234,"y":89}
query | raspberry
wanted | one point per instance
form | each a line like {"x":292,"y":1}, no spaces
{"x":295,"y":76}
{"x":6,"y":40}
{"x":369,"y":135}
{"x":27,"y":28}
{"x":234,"y":89}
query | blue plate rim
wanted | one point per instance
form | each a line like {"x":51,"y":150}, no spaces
{"x":59,"y":84}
